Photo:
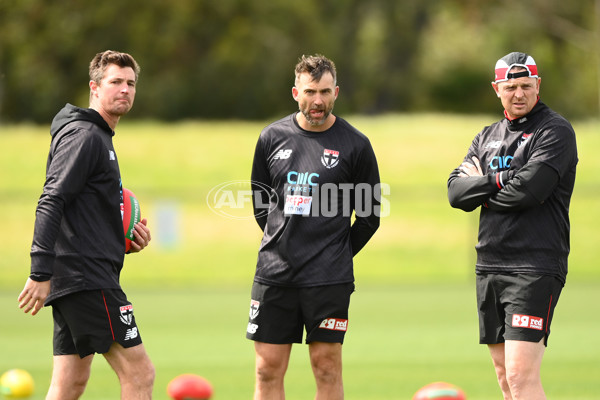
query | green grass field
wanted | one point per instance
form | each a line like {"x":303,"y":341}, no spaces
{"x":413,"y":317}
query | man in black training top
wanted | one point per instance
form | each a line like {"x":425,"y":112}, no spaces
{"x":79,"y":244}
{"x":312,"y":170}
{"x":521,"y":171}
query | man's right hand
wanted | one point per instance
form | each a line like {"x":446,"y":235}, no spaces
{"x":33,"y":296}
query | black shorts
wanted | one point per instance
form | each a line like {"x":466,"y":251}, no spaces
{"x":279,"y":315}
{"x":90,"y":321}
{"x":516,"y":307}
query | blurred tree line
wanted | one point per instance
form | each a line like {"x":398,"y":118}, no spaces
{"x":235,"y":58}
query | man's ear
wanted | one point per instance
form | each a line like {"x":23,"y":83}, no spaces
{"x":495,"y":86}
{"x":295,"y":93}
{"x":93,"y":87}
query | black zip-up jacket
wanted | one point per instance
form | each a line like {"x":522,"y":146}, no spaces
{"x":78,"y":239}
{"x":529,"y":173}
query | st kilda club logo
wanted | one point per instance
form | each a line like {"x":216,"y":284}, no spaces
{"x":254,"y":305}
{"x":330,"y":158}
{"x":126,"y":314}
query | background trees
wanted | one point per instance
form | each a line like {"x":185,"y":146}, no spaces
{"x":234,"y":58}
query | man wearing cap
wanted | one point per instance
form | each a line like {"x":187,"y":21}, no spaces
{"x":520,"y":172}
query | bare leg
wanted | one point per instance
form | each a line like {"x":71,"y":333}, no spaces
{"x":134,"y":369}
{"x":326,"y":361}
{"x":523,"y":365}
{"x":498,"y":358}
{"x":271,"y":364}
{"x":518,"y":366}
{"x":70,"y":375}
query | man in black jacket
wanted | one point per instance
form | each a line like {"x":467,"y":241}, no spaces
{"x":521,"y":171}
{"x":79,"y":244}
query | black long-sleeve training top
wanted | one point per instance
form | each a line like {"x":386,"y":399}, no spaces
{"x":529,"y":169}
{"x":306,"y":185}
{"x":78,"y":238}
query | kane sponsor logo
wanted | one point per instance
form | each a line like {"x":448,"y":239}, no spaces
{"x":252,"y":328}
{"x":254,"y":305}
{"x":131,"y":333}
{"x":283,"y":154}
{"x":126,"y":314}
{"x":334,"y":324}
{"x":527,"y":321}
{"x":330,"y":158}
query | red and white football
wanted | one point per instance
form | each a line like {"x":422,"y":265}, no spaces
{"x":189,"y":387}
{"x":130,"y":211}
{"x":439,"y":391}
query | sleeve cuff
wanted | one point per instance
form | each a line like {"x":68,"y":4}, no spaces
{"x":502,"y":179}
{"x":40,"y":276}
{"x":41,"y":264}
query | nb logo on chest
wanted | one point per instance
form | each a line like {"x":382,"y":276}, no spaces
{"x":283,"y":154}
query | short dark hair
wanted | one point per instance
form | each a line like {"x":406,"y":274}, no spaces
{"x":316,"y":66}
{"x":102,"y":60}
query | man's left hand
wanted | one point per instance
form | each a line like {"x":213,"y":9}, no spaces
{"x":142,"y":236}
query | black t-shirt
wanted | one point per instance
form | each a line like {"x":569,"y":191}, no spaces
{"x":514,"y":238}
{"x":307,"y":185}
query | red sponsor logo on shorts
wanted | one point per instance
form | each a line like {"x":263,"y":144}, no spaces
{"x":334,"y":324}
{"x":527,"y":321}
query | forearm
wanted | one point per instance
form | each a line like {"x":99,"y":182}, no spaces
{"x":469,"y":192}
{"x":362,"y":230}
{"x":47,"y":226}
{"x":530,"y":187}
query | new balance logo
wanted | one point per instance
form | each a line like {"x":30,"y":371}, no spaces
{"x":283,"y":154}
{"x":334,"y":324}
{"x":131,"y":333}
{"x":252,"y":328}
{"x":111,"y":155}
{"x":494,"y":145}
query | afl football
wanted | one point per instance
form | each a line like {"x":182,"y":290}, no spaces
{"x":130,"y":211}
{"x":439,"y":391}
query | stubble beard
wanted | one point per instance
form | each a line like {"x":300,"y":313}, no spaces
{"x":120,"y":109}
{"x":320,"y":121}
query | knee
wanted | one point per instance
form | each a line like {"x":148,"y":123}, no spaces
{"x":515,"y":382}
{"x":269,"y":371}
{"x":147,"y":375}
{"x":72,"y":388}
{"x":80,"y":379}
{"x":327,"y":369}
{"x":77,"y":386}
{"x":520,"y":378}
{"x":141,"y":377}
